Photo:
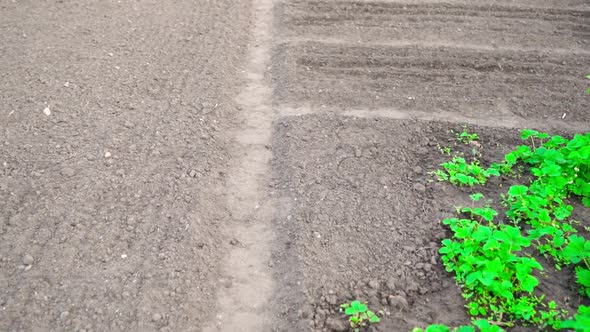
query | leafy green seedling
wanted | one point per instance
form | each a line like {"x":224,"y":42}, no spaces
{"x":466,"y":137}
{"x":444,"y":149}
{"x":359,"y":315}
{"x":459,"y":172}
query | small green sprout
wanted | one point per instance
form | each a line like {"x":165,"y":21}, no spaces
{"x":466,"y":137}
{"x":359,"y":314}
{"x":444,"y":149}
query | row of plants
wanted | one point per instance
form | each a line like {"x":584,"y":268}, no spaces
{"x":497,"y":276}
{"x":488,"y":258}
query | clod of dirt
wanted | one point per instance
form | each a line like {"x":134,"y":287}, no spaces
{"x":358,"y":152}
{"x":334,"y":324}
{"x":156,"y":317}
{"x":398,"y":302}
{"x":28,"y":260}
{"x":304,"y":312}
{"x":64,"y":315}
{"x":419,"y":187}
{"x":225,"y":283}
{"x":67,"y":171}
{"x":234,"y":242}
{"x":374,"y":284}
{"x":417,"y":170}
{"x":331,"y":299}
{"x":422,"y":150}
{"x":390,"y":283}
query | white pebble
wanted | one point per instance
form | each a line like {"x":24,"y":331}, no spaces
{"x":47,"y":111}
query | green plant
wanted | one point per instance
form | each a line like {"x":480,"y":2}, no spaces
{"x":560,"y":169}
{"x":588,"y":77}
{"x":359,"y":314}
{"x":497,"y":279}
{"x":466,"y":137}
{"x":496,"y":282}
{"x":580,"y":322}
{"x":444,"y":149}
{"x":459,"y":172}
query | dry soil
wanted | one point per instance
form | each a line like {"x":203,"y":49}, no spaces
{"x":248,"y":165}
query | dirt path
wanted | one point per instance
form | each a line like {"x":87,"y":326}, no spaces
{"x":243,"y":302}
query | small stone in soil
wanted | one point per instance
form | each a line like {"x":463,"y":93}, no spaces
{"x":156,"y":317}
{"x":107,"y":154}
{"x":233,"y":242}
{"x":417,"y":170}
{"x":28,"y":260}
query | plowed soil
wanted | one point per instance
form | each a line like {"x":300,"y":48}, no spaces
{"x":115,"y":193}
{"x":155,"y":174}
{"x":359,"y":217}
{"x":529,"y":85}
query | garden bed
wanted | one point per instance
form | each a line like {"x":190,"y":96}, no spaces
{"x":361,"y":219}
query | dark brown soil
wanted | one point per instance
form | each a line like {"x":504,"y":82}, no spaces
{"x":115,"y":194}
{"x":533,"y":85}
{"x":135,"y":188}
{"x":359,"y":217}
{"x":364,"y":221}
{"x":477,"y":59}
{"x":498,"y":24}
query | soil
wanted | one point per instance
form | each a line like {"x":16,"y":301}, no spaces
{"x":115,"y":192}
{"x":438,"y":79}
{"x":155,"y":174}
{"x":359,"y":217}
{"x":511,"y":58}
{"x":365,"y":219}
